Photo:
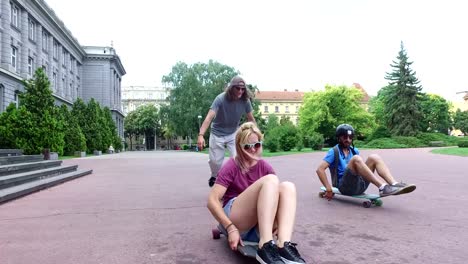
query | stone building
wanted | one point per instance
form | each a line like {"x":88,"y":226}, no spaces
{"x":32,"y":36}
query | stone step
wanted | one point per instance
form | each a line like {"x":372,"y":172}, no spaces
{"x":20,"y":178}
{"x":11,"y":152}
{"x":20,"y":159}
{"x":27,"y":188}
{"x":25,"y":167}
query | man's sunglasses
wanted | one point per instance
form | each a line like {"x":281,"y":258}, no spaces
{"x":347,"y":136}
{"x":255,"y":145}
{"x":239,"y":88}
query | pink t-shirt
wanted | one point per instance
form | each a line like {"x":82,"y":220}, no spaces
{"x":231,"y":177}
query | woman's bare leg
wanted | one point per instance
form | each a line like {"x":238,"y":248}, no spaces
{"x":286,"y":212}
{"x":257,"y":204}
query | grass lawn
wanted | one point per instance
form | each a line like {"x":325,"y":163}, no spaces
{"x":66,"y":157}
{"x":452,"y":151}
{"x":267,"y":153}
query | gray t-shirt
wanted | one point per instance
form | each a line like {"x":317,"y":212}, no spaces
{"x":228,"y":114}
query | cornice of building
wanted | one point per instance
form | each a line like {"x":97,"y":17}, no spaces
{"x":47,"y":11}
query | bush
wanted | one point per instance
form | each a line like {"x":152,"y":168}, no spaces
{"x":409,"y":142}
{"x":299,"y":145}
{"x":463,"y":144}
{"x":380,"y":132}
{"x":384,"y":143}
{"x":427,"y":138}
{"x":316,"y":141}
{"x":272,"y":141}
{"x":282,"y":137}
{"x":185,"y":147}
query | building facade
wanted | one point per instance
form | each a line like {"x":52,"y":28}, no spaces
{"x":280,"y":104}
{"x":135,"y":96}
{"x":32,"y":36}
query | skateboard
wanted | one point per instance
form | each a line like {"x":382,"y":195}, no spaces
{"x":371,"y":199}
{"x":249,"y":249}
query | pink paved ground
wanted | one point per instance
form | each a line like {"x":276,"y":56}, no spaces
{"x":150,"y":207}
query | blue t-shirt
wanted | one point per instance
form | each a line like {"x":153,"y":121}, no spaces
{"x":342,"y":162}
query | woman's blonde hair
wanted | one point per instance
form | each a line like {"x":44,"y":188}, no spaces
{"x":242,"y":137}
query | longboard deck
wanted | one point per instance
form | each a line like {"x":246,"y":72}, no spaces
{"x":249,"y":249}
{"x":371,"y":198}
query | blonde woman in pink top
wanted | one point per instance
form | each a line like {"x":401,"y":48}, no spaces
{"x":252,"y":199}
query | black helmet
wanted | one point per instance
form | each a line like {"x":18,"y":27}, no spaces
{"x":344,"y":129}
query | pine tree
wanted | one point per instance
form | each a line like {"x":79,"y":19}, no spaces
{"x":402,"y":101}
{"x":39,"y":102}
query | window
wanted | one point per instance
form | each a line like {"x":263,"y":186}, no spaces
{"x":45,"y":41}
{"x":56,"y":49}
{"x":16,"y":98}
{"x":54,"y":82}
{"x":297,"y":109}
{"x":276,"y":109}
{"x":30,"y":66}
{"x":64,"y":87}
{"x":14,"y":54}
{"x":14,"y":15}
{"x":72,"y":64}
{"x":71,"y":90}
{"x":32,"y":29}
{"x":64,"y":58}
{"x":287,"y":109}
{"x":265,"y":109}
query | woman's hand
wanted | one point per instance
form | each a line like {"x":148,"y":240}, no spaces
{"x":234,"y":238}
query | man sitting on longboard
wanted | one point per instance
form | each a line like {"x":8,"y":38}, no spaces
{"x":351,"y":174}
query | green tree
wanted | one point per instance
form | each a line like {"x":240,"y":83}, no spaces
{"x":435,"y":114}
{"x":38,"y":100}
{"x":131,"y":127}
{"x":377,"y":106}
{"x":194,"y":88}
{"x":461,"y":121}
{"x":92,"y":131}
{"x":148,"y":123}
{"x":323,"y":111}
{"x":74,"y":137}
{"x":402,"y":103}
{"x":271,"y":122}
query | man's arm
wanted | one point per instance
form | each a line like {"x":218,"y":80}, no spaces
{"x":209,"y":117}
{"x":323,"y":178}
{"x":251,"y":118}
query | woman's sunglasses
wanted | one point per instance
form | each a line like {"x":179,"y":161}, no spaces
{"x":255,"y":145}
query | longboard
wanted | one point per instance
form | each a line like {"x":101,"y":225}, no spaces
{"x":249,"y":249}
{"x":371,"y":199}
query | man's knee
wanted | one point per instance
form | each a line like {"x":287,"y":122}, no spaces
{"x":374,"y":158}
{"x":357,"y":160}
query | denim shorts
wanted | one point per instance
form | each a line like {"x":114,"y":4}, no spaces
{"x":251,"y":235}
{"x":352,"y":184}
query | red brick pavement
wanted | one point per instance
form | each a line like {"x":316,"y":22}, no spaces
{"x":150,"y":207}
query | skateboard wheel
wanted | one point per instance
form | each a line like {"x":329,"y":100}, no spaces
{"x":216,"y":233}
{"x":366,"y":204}
{"x":321,"y":194}
{"x":378,"y":202}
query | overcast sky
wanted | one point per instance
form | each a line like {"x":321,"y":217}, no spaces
{"x":280,"y":45}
